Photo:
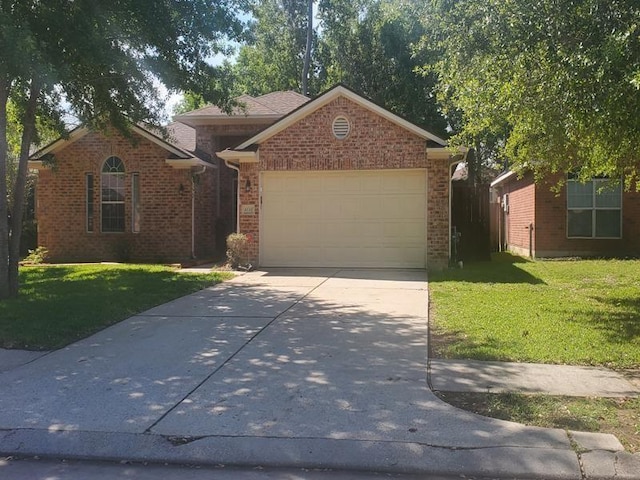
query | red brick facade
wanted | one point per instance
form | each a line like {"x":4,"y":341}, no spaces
{"x":545,"y":207}
{"x":165,"y":204}
{"x":189,"y":212}
{"x":374,"y":143}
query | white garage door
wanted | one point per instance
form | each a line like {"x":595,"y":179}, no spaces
{"x":344,"y":219}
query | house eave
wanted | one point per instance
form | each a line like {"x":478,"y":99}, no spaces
{"x":237,"y":157}
{"x":502,"y":178}
{"x":37,"y":165}
{"x":454,"y":155}
{"x":199,"y":120}
{"x":60,"y":143}
{"x":184,"y":163}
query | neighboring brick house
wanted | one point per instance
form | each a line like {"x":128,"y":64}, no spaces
{"x":578,"y":219}
{"x":333,"y":181}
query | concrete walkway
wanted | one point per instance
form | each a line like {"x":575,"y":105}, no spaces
{"x":319,"y":368}
{"x":498,"y":377}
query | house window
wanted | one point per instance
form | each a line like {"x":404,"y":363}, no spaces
{"x":89,"y":183}
{"x":135,"y":203}
{"x":112,"y":197}
{"x":594,"y":209}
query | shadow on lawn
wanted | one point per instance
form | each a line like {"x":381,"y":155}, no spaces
{"x":621,"y":323}
{"x":503,"y":268}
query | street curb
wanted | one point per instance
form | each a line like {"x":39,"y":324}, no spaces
{"x":605,"y":465}
{"x":374,"y":456}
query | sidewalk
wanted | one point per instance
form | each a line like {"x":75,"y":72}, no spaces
{"x":506,"y":377}
{"x":324,"y":368}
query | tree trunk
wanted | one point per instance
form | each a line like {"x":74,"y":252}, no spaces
{"x":17,"y":204}
{"x":4,"y":208}
{"x":307,"y":53}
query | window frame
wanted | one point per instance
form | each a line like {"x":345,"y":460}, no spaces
{"x":90,"y":202}
{"x":596,"y":185}
{"x":105,"y":172}
{"x":135,"y":202}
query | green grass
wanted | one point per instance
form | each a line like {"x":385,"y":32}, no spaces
{"x":572,"y":311}
{"x":60,"y":304}
{"x":618,"y":416}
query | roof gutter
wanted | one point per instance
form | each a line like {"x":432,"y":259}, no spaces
{"x":501,"y":178}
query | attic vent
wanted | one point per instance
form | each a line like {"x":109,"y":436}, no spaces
{"x":341,"y":127}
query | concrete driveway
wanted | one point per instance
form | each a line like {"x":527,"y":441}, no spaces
{"x":299,"y":368}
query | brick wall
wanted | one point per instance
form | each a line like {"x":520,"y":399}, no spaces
{"x":438,"y":185}
{"x":521,"y":214}
{"x":546,"y":207}
{"x":551,"y":212}
{"x":211,"y":139}
{"x":373,"y":143}
{"x":165,"y":195}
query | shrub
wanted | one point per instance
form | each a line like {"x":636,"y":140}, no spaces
{"x":37,"y":256}
{"x":237,"y":249}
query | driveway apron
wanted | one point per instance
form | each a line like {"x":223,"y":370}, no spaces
{"x":295,"y":356}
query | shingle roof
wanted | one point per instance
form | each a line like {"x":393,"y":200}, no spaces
{"x":182,"y":136}
{"x":283,"y":102}
{"x":275,"y":103}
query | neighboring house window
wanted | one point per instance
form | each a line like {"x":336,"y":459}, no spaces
{"x":112,"y":178}
{"x":594,"y":209}
{"x":89,"y":180}
{"x":135,"y":203}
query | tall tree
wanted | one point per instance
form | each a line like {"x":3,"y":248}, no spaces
{"x":273,"y":58}
{"x":102,"y":58}
{"x":307,"y":49}
{"x":553,"y":85}
{"x":370,"y":44}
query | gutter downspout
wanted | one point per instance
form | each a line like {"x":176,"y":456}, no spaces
{"x":237,"y":169}
{"x":193,"y":210}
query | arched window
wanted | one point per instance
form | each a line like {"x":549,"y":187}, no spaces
{"x":112,"y":196}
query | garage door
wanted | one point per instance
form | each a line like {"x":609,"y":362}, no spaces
{"x":344,"y":219}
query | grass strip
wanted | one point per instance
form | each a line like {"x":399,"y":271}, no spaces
{"x":58,"y":305}
{"x":618,"y":416}
{"x":579,"y":312}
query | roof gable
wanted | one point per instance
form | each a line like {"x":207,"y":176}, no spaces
{"x":171,"y":144}
{"x":338,"y":91}
{"x":179,"y":143}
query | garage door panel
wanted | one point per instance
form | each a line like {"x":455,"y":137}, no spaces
{"x":346,"y":218}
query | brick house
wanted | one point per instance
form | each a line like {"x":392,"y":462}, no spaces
{"x":333,"y":181}
{"x":341,"y":181}
{"x":596,"y":218}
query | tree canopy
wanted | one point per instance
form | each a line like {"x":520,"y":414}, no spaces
{"x":549,"y":85}
{"x":100,"y":60}
{"x":273,"y":56}
{"x":366,"y":44}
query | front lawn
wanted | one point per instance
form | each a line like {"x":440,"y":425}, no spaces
{"x":581,"y":312}
{"x":60,"y":304}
